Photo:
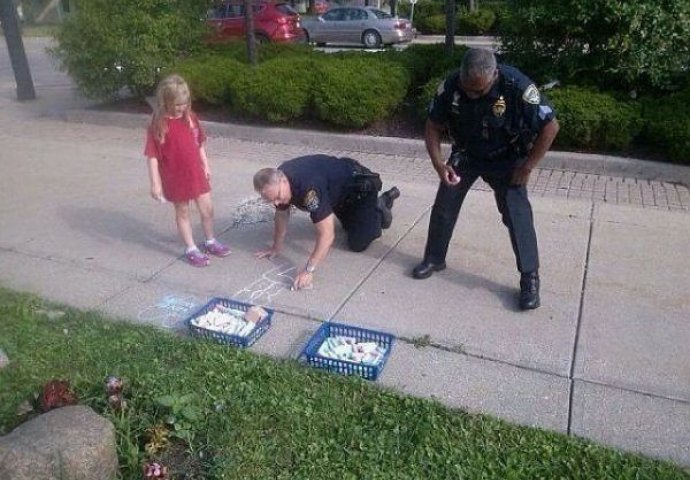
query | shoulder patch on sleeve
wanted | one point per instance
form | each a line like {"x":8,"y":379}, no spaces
{"x":532,"y":95}
{"x":311,"y":200}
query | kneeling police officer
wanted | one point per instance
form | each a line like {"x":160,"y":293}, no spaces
{"x":327,"y":187}
{"x":501,"y":127}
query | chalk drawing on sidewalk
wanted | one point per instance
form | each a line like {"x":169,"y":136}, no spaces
{"x":252,"y":210}
{"x":170,"y":310}
{"x":270,"y":284}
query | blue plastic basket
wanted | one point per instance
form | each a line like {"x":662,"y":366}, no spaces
{"x":227,"y":338}
{"x":345,"y":367}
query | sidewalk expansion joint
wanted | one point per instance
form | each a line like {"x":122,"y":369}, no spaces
{"x":573,"y":358}
{"x":685,"y":401}
{"x":459,"y":350}
{"x":379,"y":262}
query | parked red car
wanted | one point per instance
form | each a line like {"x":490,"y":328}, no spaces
{"x":273,"y":22}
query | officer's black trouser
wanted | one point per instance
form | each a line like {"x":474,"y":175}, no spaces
{"x":512,"y":203}
{"x":360,"y":219}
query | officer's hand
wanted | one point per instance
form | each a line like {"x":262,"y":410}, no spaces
{"x":303,"y":280}
{"x":521,"y":175}
{"x":448,"y":175}
{"x":270,"y":253}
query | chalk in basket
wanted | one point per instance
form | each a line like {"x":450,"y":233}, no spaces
{"x":348,"y":350}
{"x":231,"y":322}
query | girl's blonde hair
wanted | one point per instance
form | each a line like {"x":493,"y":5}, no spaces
{"x":171,"y":90}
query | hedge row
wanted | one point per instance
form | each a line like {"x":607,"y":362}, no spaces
{"x":348,"y":91}
{"x":430,"y":17}
{"x":353,"y":90}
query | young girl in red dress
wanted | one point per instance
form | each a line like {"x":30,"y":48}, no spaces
{"x":178,"y":166}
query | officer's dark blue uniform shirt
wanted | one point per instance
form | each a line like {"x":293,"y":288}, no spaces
{"x":499,"y":126}
{"x":318,"y":183}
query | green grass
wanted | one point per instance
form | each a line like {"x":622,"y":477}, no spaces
{"x":47,"y":30}
{"x":267,"y":419}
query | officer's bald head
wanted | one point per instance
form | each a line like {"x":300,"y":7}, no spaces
{"x":478,"y":72}
{"x":266,"y":176}
{"x":477,"y":63}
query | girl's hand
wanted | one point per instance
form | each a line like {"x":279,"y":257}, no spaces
{"x":207,"y":172}
{"x":156,"y":192}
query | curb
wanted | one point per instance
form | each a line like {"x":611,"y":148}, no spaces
{"x":595,"y":164}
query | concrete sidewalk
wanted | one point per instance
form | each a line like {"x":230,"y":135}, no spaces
{"x":605,"y":357}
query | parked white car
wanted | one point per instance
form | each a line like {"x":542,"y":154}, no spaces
{"x":366,"y":26}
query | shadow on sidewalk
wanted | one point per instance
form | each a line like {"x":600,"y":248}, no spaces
{"x":468,"y":281}
{"x":111,"y":225}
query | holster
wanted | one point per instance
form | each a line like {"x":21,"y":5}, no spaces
{"x":363,"y":180}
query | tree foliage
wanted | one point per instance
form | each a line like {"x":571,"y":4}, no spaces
{"x":629,"y":44}
{"x":106,"y":45}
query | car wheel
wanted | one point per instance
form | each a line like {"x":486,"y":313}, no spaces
{"x":371,"y":39}
{"x":260,"y":39}
{"x":306,"y":37}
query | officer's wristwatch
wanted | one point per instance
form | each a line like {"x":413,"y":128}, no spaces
{"x":309,"y":268}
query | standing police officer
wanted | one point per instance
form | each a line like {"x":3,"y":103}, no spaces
{"x":501,"y":127}
{"x":327,"y":187}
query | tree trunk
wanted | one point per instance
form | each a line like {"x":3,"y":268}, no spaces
{"x":15,"y":47}
{"x":394,"y":8}
{"x":473,"y":5}
{"x":450,"y":25}
{"x":249,"y":28}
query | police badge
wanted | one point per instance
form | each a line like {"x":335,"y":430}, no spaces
{"x":499,"y":108}
{"x":311,"y":200}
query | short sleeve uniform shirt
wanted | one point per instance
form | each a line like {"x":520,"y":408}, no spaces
{"x":318,"y":183}
{"x":485,"y":126}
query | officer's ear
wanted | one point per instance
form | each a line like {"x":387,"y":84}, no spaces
{"x":494,"y":76}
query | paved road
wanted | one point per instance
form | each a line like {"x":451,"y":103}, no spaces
{"x":605,"y":357}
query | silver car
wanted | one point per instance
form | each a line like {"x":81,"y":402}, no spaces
{"x":363,"y":25}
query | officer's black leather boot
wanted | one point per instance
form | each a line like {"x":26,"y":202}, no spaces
{"x":385,"y":205}
{"x":529,"y":291}
{"x":425,"y":269}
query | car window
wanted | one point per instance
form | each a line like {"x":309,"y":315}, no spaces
{"x":235,"y":11}
{"x":354,"y":14}
{"x":335,"y":15}
{"x":358,"y":14}
{"x":217,"y":12}
{"x":286,"y":9}
{"x":380,"y":14}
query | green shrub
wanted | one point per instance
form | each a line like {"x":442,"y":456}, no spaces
{"x":619,"y":44}
{"x":355,"y":91}
{"x":667,"y":126}
{"x":504,"y":14}
{"x":425,"y":61}
{"x":210,"y":76}
{"x":422,"y":10}
{"x":431,"y":24}
{"x":237,"y":50}
{"x":592,"y":120}
{"x":106,"y":45}
{"x":477,"y":22}
{"x":427,"y":94}
{"x":276,"y":90}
